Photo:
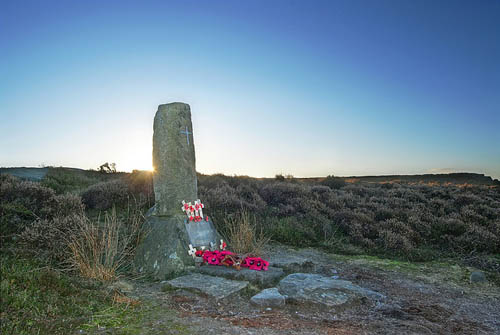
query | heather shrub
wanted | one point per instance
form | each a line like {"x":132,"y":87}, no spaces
{"x":22,"y":202}
{"x":276,"y":193}
{"x":408,"y":220}
{"x":140,"y":186}
{"x":394,"y":242}
{"x":289,"y":230}
{"x":104,"y":195}
{"x":28,"y":194}
{"x":48,"y":237}
{"x":333,"y":182}
{"x":227,"y":199}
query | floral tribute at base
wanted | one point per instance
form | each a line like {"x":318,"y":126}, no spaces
{"x":221,"y":256}
{"x":228,"y":258}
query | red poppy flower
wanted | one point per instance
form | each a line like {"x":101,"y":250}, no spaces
{"x":214,"y":259}
{"x":244,"y":263}
{"x":206,"y":255}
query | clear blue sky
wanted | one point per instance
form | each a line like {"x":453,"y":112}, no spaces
{"x":307,"y":88}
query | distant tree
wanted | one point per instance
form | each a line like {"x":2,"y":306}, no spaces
{"x":279,"y":177}
{"x":107,"y":168}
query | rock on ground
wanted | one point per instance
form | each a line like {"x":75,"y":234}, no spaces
{"x":261,"y":278}
{"x":216,"y":287}
{"x":318,"y":289}
{"x":477,"y":277}
{"x":291,"y":260}
{"x":270,"y":297}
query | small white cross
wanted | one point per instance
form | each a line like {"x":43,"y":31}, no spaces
{"x":192,"y":251}
{"x":222,"y":247}
{"x":187,"y":132}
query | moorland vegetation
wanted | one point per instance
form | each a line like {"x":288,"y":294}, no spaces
{"x":77,"y":224}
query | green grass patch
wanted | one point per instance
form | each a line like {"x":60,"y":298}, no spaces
{"x":448,"y":271}
{"x":37,"y":299}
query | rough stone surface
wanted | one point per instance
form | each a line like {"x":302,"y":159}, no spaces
{"x":163,"y":253}
{"x":216,"y":287}
{"x":318,"y":289}
{"x":290,"y":260}
{"x":270,"y":297}
{"x":174,"y":160}
{"x":477,"y":277}
{"x":202,"y":233}
{"x":267,"y":278}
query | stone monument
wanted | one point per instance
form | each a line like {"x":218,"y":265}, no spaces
{"x":164,"y":251}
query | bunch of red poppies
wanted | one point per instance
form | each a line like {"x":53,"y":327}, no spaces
{"x":194,"y":212}
{"x":228,"y":258}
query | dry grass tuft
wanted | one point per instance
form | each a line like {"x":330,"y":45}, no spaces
{"x":98,"y":250}
{"x":243,"y":235}
{"x":121,"y":299}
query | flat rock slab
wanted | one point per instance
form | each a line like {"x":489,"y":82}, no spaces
{"x":216,"y":287}
{"x":270,"y":297}
{"x":291,"y":260}
{"x":260,"y":278}
{"x":318,"y":289}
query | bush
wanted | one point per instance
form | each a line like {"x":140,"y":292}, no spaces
{"x":22,"y":202}
{"x":49,"y":237}
{"x":289,"y":230}
{"x":389,"y":218}
{"x":104,"y":195}
{"x":140,"y":185}
{"x":333,"y":182}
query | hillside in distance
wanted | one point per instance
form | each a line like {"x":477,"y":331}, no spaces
{"x":462,"y":179}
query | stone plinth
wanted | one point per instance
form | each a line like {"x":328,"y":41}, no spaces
{"x":163,"y":253}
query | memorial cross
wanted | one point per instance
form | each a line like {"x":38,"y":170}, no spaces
{"x":192,"y":251}
{"x":187,"y":132}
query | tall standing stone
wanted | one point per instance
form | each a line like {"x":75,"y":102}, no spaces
{"x":173,"y":158}
{"x":164,"y":251}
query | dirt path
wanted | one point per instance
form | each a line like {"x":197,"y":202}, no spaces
{"x":421,"y":299}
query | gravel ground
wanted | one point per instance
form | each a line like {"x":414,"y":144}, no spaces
{"x":415,"y":304}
